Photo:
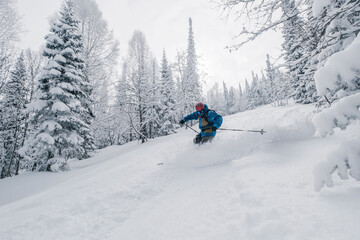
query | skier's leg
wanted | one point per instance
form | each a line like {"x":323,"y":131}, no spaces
{"x":206,"y":139}
{"x":197,"y":139}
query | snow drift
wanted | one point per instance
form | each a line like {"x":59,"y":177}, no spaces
{"x":242,"y":186}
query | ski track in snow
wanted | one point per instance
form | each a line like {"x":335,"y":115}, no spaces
{"x":242,"y":186}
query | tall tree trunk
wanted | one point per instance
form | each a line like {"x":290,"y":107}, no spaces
{"x":17,"y":167}
{"x":13,"y":151}
{"x":2,"y":175}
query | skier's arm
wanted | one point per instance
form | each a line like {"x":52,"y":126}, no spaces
{"x":192,"y":116}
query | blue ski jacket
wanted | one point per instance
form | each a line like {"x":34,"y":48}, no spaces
{"x":209,"y":121}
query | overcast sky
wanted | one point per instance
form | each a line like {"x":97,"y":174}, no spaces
{"x":165,"y":24}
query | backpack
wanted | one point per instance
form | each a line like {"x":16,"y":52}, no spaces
{"x":205,"y":115}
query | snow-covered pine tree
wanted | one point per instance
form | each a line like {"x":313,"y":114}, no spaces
{"x":168,"y":116}
{"x":226,"y":106}
{"x":215,"y":99}
{"x":240,"y":103}
{"x":232,"y":100}
{"x":338,"y":78}
{"x":12,"y":119}
{"x":34,"y":62}
{"x":153,"y":113}
{"x":340,"y":24}
{"x":264,"y":17}
{"x":304,"y":88}
{"x":62,"y":111}
{"x":191,"y":84}
{"x":294,"y":34}
{"x":255,"y":94}
{"x":251,"y":96}
{"x":283,"y":88}
{"x":270,"y":90}
{"x":246,"y":95}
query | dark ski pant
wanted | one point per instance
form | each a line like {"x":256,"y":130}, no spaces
{"x":200,"y":140}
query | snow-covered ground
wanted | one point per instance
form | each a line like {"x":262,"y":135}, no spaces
{"x":242,"y":186}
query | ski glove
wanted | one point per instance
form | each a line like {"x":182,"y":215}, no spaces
{"x":182,"y":122}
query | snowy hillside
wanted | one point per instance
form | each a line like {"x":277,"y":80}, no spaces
{"x":242,"y":186}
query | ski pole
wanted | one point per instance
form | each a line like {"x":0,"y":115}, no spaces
{"x":191,"y":128}
{"x":241,"y":130}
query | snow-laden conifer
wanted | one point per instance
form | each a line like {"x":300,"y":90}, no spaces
{"x":12,"y":119}
{"x":226,"y":99}
{"x":241,"y":100}
{"x":337,"y":79}
{"x":62,"y":111}
{"x":270,"y":88}
{"x":153,"y":112}
{"x":168,"y":117}
{"x":340,"y":24}
{"x":232,"y":100}
{"x":215,"y":99}
{"x":294,"y":32}
{"x":255,"y":96}
{"x":191,"y":83}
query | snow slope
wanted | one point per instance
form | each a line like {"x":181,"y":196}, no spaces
{"x":242,"y":186}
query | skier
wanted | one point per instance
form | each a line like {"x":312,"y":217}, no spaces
{"x":209,"y":122}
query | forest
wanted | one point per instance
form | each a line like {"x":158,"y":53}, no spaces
{"x":69,"y":99}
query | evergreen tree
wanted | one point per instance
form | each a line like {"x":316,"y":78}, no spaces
{"x":191,"y":84}
{"x":226,"y":99}
{"x":255,"y":95}
{"x":241,"y":99}
{"x":304,"y":88}
{"x":340,"y":24}
{"x":215,"y":99}
{"x":282,"y":88}
{"x":62,"y":112}
{"x":269,"y":82}
{"x":294,"y":34}
{"x":338,"y":80}
{"x":153,"y":114}
{"x":12,"y":119}
{"x":168,"y":115}
{"x":232,"y":100}
{"x":246,"y":95}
